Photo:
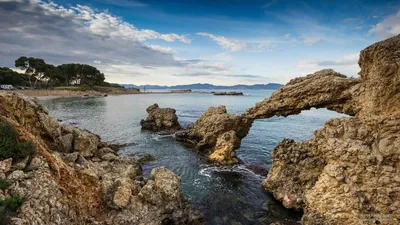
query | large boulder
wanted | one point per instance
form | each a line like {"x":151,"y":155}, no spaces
{"x":217,"y":133}
{"x":160,"y":119}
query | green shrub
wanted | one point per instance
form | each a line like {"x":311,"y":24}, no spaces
{"x":12,"y":203}
{"x":10,"y":146}
{"x":4,"y":184}
{"x":9,"y":207}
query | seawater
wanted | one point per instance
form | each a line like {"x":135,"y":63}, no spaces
{"x":225,"y":195}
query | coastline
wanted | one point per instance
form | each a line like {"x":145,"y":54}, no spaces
{"x":91,"y":93}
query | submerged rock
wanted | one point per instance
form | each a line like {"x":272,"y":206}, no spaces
{"x":348,"y":173}
{"x":87,"y":183}
{"x":160,"y":119}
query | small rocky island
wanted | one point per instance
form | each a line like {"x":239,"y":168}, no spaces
{"x":231,"y":93}
{"x":160,"y":119}
{"x":60,"y":174}
{"x":348,"y":173}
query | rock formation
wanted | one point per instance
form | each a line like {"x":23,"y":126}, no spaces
{"x":217,"y":133}
{"x":348,"y":173}
{"x":160,"y":119}
{"x":74,"y":178}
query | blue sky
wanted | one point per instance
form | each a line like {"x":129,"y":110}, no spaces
{"x":180,"y":42}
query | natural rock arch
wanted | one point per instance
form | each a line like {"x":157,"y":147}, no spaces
{"x":348,"y":173}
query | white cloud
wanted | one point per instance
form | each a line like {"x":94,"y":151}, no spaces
{"x":107,"y":25}
{"x":162,"y":49}
{"x":311,"y":39}
{"x":175,"y":37}
{"x":81,"y":34}
{"x":389,"y":27}
{"x":286,"y":35}
{"x":226,"y":43}
{"x":233,"y":45}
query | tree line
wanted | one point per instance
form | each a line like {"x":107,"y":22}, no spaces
{"x":37,"y":73}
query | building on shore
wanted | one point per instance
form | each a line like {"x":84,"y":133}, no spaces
{"x":7,"y":87}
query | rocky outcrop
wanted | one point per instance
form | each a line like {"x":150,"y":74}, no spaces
{"x":74,"y":178}
{"x":348,"y":173}
{"x":160,"y":119}
{"x":217,"y":133}
{"x":220,"y":134}
{"x":323,"y":89}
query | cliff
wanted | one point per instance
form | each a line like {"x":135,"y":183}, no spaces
{"x":74,"y":178}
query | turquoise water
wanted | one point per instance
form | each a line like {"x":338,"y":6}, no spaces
{"x":225,"y":195}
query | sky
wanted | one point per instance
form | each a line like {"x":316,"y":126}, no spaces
{"x":223,"y":42}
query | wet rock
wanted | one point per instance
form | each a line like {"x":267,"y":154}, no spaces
{"x":146,"y":158}
{"x":160,"y":119}
{"x":257,"y":169}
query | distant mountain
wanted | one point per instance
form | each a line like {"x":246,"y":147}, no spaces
{"x":270,"y":86}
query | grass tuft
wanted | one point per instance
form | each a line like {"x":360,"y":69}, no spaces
{"x":10,"y":146}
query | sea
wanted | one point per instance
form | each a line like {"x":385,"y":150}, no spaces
{"x":223,"y":194}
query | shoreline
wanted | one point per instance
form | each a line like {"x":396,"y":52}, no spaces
{"x":90,"y":93}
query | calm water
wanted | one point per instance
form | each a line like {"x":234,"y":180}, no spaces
{"x":225,"y":195}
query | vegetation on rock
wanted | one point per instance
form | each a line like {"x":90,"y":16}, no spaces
{"x":8,"y":207}
{"x":4,"y":184}
{"x":10,"y":146}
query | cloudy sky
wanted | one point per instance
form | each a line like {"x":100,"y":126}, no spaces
{"x":209,"y":41}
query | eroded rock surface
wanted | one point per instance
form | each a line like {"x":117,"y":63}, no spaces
{"x":217,"y":133}
{"x":160,"y":119}
{"x":349,"y":172}
{"x":74,"y":178}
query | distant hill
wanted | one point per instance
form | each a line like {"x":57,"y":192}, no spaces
{"x":270,"y":86}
